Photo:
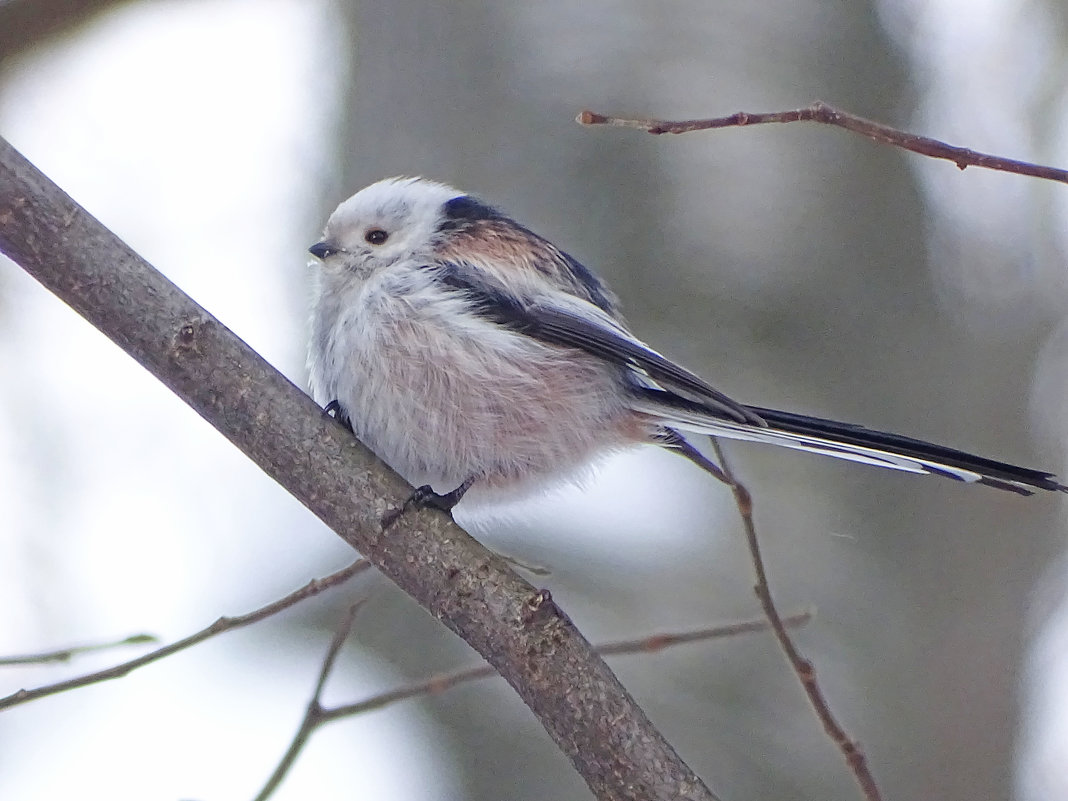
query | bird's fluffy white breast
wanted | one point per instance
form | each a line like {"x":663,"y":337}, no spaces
{"x":442,"y":394}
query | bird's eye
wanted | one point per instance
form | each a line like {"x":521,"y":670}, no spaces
{"x":376,"y":236}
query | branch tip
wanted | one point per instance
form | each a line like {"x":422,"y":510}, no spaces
{"x":829,"y":115}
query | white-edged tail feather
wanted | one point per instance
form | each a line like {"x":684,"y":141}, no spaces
{"x":844,"y":441}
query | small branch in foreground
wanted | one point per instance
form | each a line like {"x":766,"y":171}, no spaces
{"x":67,"y":654}
{"x":649,"y":644}
{"x":829,"y":115}
{"x":313,"y":714}
{"x":316,"y":715}
{"x":223,"y":624}
{"x":805,"y":670}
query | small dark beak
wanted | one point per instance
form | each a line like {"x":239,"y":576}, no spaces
{"x":322,"y":249}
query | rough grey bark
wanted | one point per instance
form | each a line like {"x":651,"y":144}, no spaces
{"x":519,"y":630}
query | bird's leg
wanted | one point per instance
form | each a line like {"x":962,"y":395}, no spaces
{"x":674,"y":441}
{"x":424,"y":497}
{"x":334,"y":411}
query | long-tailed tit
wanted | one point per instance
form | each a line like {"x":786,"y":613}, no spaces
{"x":465,"y":350}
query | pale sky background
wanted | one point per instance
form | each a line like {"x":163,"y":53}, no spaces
{"x":96,"y":114}
{"x":197,"y":131}
{"x":239,"y":146}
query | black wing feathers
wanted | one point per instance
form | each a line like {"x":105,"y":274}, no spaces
{"x":690,"y":395}
{"x":560,"y":326}
{"x":563,"y":328}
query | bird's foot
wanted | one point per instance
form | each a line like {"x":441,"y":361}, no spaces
{"x":424,"y":497}
{"x":334,"y":411}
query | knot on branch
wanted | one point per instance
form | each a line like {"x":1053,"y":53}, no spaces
{"x":538,"y":608}
{"x":187,"y":338}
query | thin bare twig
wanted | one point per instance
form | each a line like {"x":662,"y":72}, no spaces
{"x":223,"y":624}
{"x":67,"y":654}
{"x":313,"y":714}
{"x":316,"y":715}
{"x":648,"y":644}
{"x":829,"y":115}
{"x":805,"y":670}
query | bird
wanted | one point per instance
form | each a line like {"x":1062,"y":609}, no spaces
{"x":467,"y":351}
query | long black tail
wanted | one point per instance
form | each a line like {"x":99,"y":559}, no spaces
{"x":845,"y":441}
{"x":936,"y":458}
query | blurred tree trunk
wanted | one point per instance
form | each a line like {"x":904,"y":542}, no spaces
{"x":438,"y":89}
{"x":25,"y":24}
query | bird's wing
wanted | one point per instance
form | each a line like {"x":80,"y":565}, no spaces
{"x":560,"y":318}
{"x":678,"y":399}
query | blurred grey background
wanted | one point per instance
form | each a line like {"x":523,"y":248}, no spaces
{"x":794,"y":266}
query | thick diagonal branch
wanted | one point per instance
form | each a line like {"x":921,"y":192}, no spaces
{"x":519,"y":630}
